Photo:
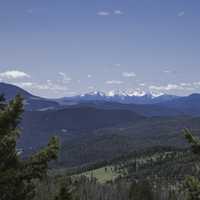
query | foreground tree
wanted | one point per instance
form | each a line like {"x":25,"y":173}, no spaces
{"x":64,"y":194}
{"x":192,"y":184}
{"x":17,"y":176}
{"x":141,"y":191}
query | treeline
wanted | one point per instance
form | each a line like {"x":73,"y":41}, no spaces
{"x":85,"y":188}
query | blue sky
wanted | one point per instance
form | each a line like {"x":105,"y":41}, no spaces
{"x":67,"y":47}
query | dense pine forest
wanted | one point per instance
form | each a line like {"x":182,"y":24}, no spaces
{"x":158,"y":173}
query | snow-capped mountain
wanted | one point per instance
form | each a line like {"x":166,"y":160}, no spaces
{"x":127,"y":97}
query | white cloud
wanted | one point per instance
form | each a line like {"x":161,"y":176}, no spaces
{"x":14,"y":74}
{"x":185,"y":84}
{"x":91,"y":88}
{"x":70,"y":93}
{"x":103,"y":13}
{"x":65,"y":78}
{"x":111,"y":82}
{"x":128,"y":74}
{"x":89,"y":76}
{"x":142,"y":84}
{"x":48,"y":85}
{"x":167,"y":87}
{"x":181,"y":13}
{"x":25,"y":84}
{"x":167,"y":71}
{"x":180,"y":86}
{"x":196,"y":84}
{"x":107,"y":13}
{"x":117,"y":65}
{"x":118,"y":12}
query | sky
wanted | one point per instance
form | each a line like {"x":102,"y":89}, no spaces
{"x":56,"y":48}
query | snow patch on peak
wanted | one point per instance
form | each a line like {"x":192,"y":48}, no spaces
{"x":111,"y":93}
{"x":156,"y":94}
{"x":129,"y":93}
{"x":138,"y":93}
{"x":94,"y":93}
{"x":123,"y":93}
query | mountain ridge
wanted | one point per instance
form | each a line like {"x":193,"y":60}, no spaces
{"x":122,"y":97}
{"x":147,"y":105}
{"x":31,"y":102}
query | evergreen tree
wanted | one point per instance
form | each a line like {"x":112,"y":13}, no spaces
{"x":141,"y":191}
{"x":2,"y":101}
{"x":64,"y":194}
{"x":17,"y":176}
{"x":192,"y":184}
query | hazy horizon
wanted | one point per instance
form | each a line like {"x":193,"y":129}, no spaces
{"x":109,"y":93}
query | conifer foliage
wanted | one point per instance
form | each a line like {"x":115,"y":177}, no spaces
{"x":192,"y":184}
{"x":64,"y":194}
{"x":17,"y":176}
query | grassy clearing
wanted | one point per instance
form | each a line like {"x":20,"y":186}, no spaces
{"x":103,"y":174}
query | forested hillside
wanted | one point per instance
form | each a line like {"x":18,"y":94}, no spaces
{"x":104,"y":154}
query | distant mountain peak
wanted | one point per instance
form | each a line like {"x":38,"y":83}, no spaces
{"x":94,"y":93}
{"x":124,"y":93}
{"x":129,"y":93}
{"x":157,"y":94}
{"x":130,"y":96}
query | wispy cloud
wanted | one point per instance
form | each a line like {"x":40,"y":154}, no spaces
{"x":142,"y":84}
{"x":91,"y":88}
{"x":64,"y":78}
{"x":111,"y":82}
{"x":89,"y":76}
{"x":166,"y":87}
{"x":128,"y":74}
{"x":118,"y":12}
{"x":48,"y":85}
{"x":107,"y":13}
{"x":29,"y":11}
{"x":186,"y":84}
{"x":179,"y":86}
{"x":167,"y":71}
{"x":117,"y":65}
{"x":51,"y":86}
{"x":14,"y":74}
{"x":25,"y":84}
{"x":103,"y":13}
{"x":181,"y":14}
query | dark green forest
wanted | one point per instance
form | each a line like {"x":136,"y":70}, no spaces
{"x":155,"y":172}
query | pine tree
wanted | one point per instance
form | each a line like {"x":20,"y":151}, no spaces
{"x":17,"y":176}
{"x":64,"y":194}
{"x":141,"y":191}
{"x":192,"y":184}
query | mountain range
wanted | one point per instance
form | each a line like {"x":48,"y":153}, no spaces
{"x":103,"y":126}
{"x":121,"y":97}
{"x":143,"y":104}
